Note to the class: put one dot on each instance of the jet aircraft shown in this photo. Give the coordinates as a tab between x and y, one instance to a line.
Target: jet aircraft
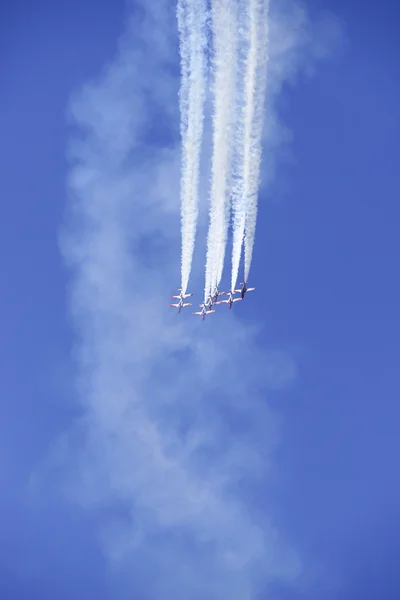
244	290
204	311
230	300
217	293
179	305
208	303
182	296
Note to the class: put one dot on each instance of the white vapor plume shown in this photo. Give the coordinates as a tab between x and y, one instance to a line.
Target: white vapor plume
254	30
256	147
191	16
224	67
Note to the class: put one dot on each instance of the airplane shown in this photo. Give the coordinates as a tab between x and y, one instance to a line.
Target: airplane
243	290
181	304
208	303
230	300
204	311
182	296
217	293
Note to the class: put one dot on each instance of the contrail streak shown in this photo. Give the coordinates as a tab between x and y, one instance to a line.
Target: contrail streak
261	15
191	16
249	132
224	65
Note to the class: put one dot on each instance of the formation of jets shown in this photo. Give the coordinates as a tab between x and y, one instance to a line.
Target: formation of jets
212	300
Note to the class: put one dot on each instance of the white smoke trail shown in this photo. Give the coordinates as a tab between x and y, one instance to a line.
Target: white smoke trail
261	14
248	144
243	140
224	65
191	16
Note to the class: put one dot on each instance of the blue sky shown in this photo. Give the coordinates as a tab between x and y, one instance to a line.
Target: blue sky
147	456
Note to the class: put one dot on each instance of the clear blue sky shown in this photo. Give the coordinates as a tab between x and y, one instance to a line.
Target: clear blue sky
326	271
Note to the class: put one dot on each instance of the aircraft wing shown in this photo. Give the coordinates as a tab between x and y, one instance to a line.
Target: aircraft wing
222	302
251	289
236	299
187	304
177	305
198	313
176	297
